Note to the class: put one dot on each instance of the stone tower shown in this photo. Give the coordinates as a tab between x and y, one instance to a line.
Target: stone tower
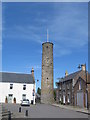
47	73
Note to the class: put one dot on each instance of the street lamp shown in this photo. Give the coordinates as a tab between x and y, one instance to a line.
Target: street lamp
86	82
86	86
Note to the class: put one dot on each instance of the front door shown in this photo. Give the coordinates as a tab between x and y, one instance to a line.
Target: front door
10	97
86	100
80	101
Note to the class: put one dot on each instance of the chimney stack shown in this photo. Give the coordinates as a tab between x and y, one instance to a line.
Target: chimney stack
66	73
32	72
83	67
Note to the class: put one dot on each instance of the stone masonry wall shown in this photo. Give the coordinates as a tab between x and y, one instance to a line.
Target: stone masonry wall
47	73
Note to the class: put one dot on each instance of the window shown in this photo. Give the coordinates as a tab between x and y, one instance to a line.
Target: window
68	86
24	87
60	87
11	86
68	98
64	99
80	85
10	95
60	98
47	59
63	86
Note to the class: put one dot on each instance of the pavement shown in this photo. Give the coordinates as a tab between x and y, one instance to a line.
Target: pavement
0	112
5	112
74	108
43	111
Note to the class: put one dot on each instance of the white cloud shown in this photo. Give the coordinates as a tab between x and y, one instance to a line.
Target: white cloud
72	30
24	33
62	52
35	67
68	29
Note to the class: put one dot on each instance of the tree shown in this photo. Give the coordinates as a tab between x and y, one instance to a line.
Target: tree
39	91
55	94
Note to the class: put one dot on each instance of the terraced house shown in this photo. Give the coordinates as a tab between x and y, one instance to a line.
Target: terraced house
15	87
72	89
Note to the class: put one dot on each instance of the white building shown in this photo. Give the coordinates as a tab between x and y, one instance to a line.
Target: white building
17	86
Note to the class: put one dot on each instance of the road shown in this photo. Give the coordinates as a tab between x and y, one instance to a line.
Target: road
43	111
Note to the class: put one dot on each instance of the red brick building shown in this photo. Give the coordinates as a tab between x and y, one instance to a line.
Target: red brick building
72	89
88	87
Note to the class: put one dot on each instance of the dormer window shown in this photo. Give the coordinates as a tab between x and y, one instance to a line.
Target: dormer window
11	86
24	87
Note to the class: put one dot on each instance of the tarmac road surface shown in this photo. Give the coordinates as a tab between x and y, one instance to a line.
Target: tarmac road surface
43	111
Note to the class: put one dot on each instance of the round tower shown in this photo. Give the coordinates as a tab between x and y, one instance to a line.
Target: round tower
47	96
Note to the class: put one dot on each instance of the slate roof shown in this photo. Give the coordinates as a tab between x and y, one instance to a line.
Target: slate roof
16	78
73	75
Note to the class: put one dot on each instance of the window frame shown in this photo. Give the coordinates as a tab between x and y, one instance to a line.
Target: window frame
80	86
11	86
24	87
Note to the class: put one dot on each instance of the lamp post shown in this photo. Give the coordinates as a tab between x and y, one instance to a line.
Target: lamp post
86	87
86	83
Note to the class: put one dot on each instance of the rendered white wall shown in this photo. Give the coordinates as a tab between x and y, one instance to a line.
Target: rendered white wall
17	91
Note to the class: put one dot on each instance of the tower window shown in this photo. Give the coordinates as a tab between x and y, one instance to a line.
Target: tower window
47	78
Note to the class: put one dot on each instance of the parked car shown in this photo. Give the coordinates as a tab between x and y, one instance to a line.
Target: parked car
25	102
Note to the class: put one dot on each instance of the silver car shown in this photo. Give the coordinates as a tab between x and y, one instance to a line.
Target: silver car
25	102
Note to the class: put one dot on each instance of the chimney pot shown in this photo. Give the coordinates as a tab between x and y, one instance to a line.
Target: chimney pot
66	73
83	67
32	71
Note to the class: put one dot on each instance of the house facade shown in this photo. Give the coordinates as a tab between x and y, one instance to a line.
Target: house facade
72	89
88	88
15	87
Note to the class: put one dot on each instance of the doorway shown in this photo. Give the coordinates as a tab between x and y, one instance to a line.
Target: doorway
10	97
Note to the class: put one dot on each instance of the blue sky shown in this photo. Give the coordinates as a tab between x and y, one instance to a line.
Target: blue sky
25	29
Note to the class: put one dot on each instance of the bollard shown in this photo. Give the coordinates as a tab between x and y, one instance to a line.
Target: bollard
26	113
9	115
19	109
